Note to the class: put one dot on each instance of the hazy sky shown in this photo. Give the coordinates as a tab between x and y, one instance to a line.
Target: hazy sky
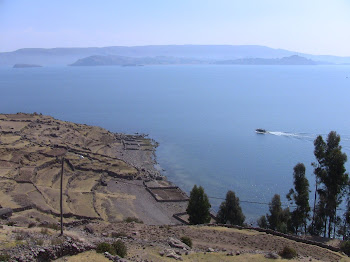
310	26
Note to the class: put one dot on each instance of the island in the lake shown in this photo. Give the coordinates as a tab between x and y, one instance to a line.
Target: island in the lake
25	66
113	60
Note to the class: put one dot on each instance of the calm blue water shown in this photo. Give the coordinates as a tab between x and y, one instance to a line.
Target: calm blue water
203	116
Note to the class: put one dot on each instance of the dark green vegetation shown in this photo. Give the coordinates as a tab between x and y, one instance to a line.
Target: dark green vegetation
288	253
198	207
105	247
279	219
4	257
332	185
133	219
345	247
120	248
187	241
230	210
300	197
116	248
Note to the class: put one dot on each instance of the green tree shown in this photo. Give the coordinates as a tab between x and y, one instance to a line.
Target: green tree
300	197
262	222
331	177
198	207
230	210
279	219
275	208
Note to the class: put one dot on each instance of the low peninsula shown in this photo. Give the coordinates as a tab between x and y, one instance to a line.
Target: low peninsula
25	66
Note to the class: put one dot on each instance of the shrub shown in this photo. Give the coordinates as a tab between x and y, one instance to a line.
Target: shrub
118	234
187	241
44	231
4	257
53	226
120	248
345	247
39	242
57	241
105	247
31	225
288	253
11	223
133	219
20	237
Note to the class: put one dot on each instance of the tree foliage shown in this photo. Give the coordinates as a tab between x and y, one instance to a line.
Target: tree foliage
279	219
262	222
198	207
331	179
230	210
300	197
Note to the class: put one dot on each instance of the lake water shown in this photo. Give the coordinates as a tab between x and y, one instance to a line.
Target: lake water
204	117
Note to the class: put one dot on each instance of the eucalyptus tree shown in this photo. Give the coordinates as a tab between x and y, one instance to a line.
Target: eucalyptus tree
198	208
230	210
331	177
300	197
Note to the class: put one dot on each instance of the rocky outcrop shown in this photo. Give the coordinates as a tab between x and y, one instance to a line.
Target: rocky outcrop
68	248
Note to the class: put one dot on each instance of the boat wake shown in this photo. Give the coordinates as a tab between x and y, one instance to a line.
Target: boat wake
303	136
345	139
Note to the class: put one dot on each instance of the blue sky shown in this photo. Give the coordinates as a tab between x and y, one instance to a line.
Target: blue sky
310	26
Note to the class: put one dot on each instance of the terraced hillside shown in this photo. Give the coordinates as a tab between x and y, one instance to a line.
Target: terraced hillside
103	172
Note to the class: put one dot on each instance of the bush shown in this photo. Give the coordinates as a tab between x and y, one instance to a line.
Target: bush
39	242
11	223
187	241
105	247
44	231
345	247
120	248
118	234
4	257
57	241
20	237
31	225
288	253
133	219
53	226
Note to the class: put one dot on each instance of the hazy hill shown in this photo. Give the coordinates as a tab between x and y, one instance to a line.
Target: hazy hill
64	56
99	60
162	60
290	60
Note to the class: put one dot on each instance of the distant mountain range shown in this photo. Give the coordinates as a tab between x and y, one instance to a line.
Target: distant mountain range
163	60
184	53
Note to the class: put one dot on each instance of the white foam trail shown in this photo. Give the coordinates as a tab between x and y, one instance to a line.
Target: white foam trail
305	136
278	133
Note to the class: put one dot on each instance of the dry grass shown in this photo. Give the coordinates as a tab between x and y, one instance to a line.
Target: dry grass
233	230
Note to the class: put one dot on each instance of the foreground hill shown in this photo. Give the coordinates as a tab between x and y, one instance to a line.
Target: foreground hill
153	243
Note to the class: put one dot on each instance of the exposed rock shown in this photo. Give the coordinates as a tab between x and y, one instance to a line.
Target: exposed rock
89	229
173	242
238	253
210	249
171	253
272	255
